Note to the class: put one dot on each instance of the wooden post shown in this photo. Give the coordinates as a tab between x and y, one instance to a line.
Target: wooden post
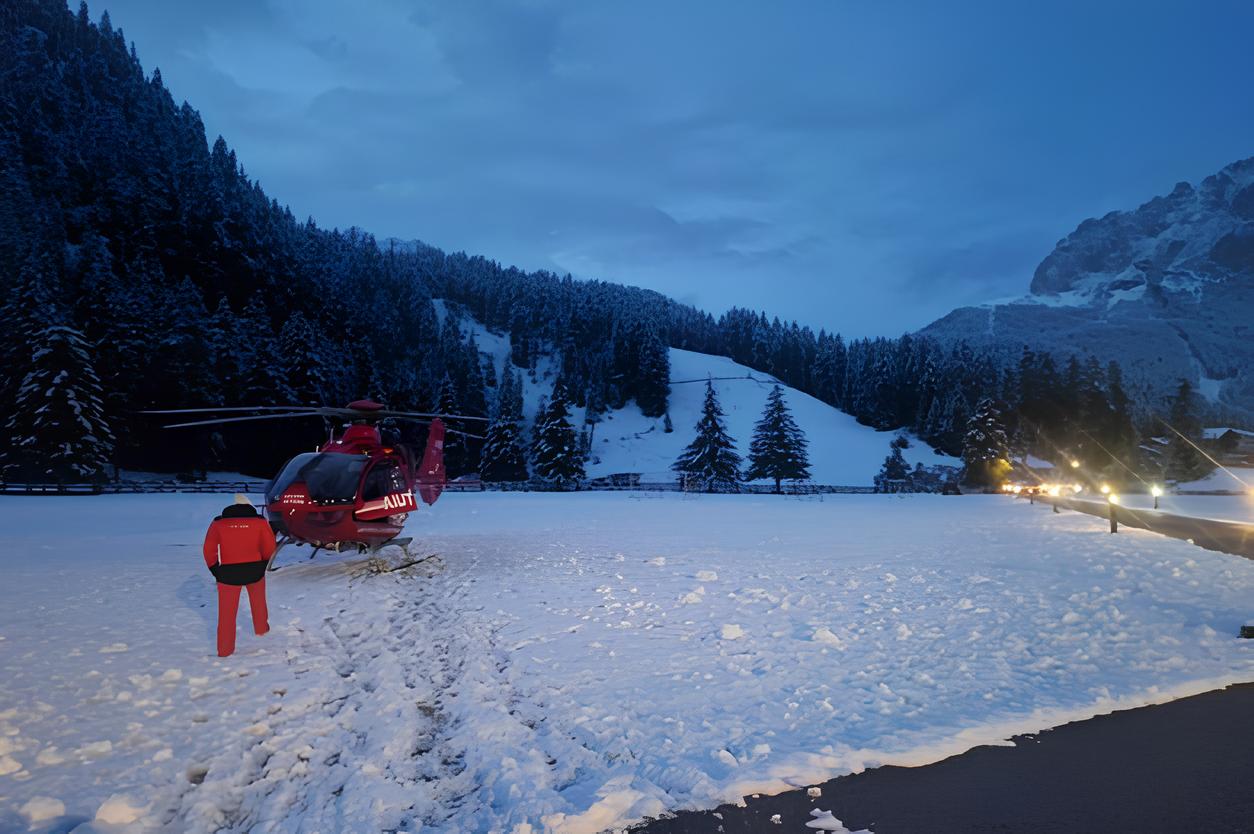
1114	519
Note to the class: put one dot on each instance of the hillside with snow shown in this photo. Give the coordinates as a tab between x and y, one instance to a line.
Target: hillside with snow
1167	290
842	451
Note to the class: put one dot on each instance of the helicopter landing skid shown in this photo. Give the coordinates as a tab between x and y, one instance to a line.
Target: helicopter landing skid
278	546
403	544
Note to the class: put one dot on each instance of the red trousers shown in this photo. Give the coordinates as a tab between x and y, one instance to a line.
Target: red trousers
228	608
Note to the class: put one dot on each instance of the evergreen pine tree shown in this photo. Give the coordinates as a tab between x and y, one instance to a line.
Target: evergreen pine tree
895	472
985	450
710	463
503	458
57	431
300	349
555	451
653	368
1184	461
778	449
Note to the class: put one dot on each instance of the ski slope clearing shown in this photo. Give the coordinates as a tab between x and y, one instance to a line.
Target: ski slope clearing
572	663
842	450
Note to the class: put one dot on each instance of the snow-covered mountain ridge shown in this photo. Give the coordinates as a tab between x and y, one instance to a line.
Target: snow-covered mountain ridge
842	451
1166	289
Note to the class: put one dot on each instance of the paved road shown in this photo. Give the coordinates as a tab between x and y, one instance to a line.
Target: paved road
1178	768
1225	536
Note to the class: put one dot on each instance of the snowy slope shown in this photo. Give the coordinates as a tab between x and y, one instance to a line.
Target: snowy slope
842	451
579	661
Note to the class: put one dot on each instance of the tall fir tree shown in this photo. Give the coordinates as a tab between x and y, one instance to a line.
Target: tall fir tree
985	449
555	452
503	458
1184	461
778	450
653	369
894	474
57	430
710	463
300	350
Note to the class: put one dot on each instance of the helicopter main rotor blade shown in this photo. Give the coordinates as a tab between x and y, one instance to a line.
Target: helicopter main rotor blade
231	408
429	416
324	411
422	422
243	419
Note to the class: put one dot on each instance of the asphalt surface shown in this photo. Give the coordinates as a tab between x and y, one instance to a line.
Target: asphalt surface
1179	768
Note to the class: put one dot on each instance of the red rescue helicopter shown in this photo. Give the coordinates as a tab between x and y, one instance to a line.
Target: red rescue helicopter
355	490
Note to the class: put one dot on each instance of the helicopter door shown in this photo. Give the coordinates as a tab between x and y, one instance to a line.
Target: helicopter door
384	492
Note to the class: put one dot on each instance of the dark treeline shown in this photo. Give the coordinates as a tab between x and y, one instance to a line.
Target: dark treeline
145	259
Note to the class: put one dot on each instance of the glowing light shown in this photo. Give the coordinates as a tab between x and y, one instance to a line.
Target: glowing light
1156	490
1075	464
1105	489
1055	491
1113	498
1078	488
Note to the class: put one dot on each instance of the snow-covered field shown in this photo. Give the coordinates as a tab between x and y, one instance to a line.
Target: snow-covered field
574	662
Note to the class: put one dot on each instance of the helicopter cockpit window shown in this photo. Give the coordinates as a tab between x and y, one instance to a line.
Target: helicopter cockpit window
384	479
327	476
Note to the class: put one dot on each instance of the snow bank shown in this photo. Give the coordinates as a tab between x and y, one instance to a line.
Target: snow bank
1234	479
548	672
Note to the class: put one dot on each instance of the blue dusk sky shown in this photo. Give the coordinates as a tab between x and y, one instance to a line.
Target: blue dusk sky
859	165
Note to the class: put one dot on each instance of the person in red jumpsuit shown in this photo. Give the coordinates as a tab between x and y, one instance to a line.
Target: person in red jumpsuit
238	546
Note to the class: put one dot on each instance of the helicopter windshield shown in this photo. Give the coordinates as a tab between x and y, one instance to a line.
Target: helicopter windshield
329	476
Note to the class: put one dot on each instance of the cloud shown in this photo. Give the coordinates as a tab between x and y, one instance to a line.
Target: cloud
858	166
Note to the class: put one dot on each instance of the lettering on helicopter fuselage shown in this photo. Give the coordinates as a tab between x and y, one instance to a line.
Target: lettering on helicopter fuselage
399	502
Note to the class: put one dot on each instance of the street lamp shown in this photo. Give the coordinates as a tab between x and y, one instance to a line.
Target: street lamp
1113	501
1105	489
1157	492
1075	464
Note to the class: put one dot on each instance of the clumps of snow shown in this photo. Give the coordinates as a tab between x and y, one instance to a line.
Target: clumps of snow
824	821
707	576
48	757
40	808
621	798
8	765
826	636
114	648
814	793
95	749
660	561
731	631
119	809
694	596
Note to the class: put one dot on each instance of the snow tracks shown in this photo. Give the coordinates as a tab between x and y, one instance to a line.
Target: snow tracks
399	716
